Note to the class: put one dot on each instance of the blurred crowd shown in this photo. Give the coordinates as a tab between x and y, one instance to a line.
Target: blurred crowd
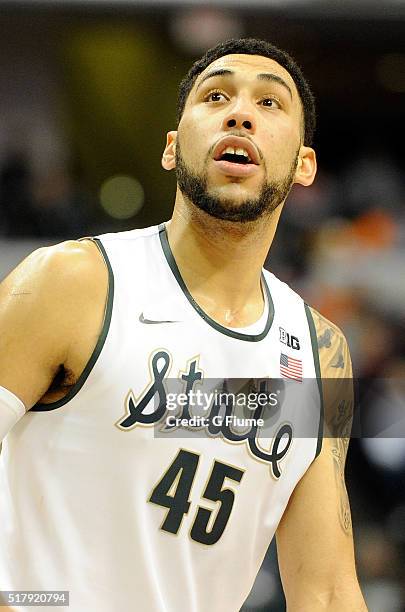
51	205
341	244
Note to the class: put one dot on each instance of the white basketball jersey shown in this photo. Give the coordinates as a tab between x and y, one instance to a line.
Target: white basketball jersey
104	497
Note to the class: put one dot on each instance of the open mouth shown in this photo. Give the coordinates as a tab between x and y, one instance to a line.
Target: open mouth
235	156
236	150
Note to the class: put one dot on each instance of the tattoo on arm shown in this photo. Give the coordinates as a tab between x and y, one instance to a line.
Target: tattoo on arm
339	362
341	435
325	337
338	400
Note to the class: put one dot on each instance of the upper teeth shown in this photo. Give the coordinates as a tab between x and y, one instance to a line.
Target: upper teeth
236	151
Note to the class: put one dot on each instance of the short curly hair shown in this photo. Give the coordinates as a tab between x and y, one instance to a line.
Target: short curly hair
253	46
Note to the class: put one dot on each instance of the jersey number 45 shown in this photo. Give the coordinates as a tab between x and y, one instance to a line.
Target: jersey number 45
173	492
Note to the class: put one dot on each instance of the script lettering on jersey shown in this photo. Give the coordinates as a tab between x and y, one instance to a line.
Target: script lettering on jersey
151	407
136	410
282	439
190	377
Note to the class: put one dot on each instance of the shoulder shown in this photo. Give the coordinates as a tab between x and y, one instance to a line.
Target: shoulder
60	269
334	354
55	284
337	381
71	260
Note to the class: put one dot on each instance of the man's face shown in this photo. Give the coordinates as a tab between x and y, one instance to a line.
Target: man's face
239	139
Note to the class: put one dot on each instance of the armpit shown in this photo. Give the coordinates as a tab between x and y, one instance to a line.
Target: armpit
63	381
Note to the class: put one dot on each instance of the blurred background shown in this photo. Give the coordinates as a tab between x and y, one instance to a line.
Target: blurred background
87	94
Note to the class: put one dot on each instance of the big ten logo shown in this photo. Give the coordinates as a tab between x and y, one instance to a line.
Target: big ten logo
289	340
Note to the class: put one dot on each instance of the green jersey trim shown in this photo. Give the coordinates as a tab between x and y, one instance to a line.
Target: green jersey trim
220	328
99	346
315	351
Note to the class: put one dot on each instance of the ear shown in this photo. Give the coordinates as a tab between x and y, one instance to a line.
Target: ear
169	154
306	167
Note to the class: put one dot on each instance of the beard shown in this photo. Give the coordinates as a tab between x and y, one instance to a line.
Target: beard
195	188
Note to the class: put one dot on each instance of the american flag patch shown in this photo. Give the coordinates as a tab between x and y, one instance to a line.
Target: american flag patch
290	367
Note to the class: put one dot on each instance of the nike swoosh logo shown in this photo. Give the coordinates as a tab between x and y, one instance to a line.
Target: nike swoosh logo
151	322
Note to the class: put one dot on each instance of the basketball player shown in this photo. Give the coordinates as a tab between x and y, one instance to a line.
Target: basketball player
96	498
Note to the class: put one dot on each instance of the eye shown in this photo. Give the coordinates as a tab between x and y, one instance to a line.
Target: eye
215	96
270	102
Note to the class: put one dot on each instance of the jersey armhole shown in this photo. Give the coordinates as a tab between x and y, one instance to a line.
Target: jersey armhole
315	352
100	342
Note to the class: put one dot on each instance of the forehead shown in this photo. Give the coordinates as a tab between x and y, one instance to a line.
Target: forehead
249	66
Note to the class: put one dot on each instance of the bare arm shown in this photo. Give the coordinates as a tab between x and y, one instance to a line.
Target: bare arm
314	538
51	308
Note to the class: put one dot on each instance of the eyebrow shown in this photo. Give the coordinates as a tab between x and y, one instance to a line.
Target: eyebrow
269	76
263	76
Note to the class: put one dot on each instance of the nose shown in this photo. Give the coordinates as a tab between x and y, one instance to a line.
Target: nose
239	118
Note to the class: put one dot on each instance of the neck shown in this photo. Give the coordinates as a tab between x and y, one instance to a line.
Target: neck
221	261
